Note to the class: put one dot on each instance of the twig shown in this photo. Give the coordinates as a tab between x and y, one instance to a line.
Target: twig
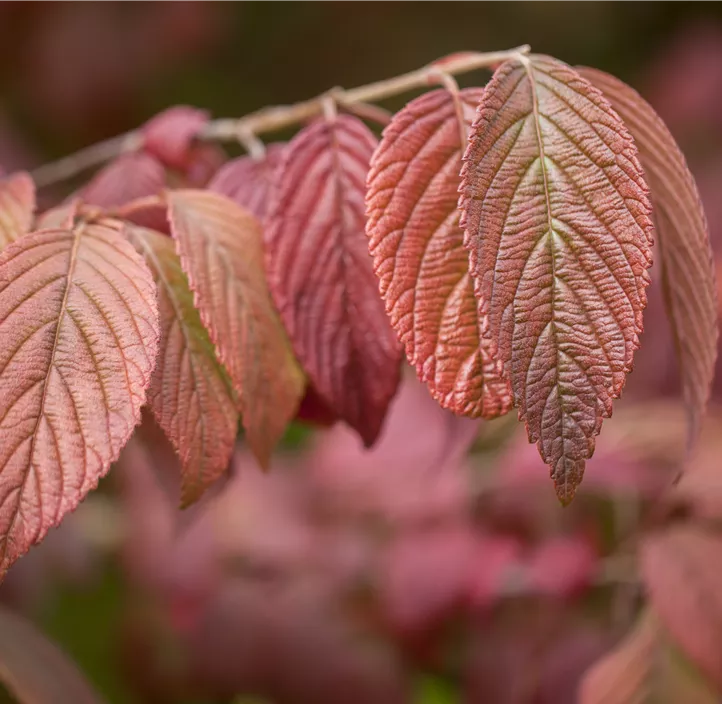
273	118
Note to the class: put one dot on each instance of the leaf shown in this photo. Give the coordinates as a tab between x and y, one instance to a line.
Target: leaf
190	394
688	268
169	136
35	670
61	217
321	276
17	207
220	247
680	568
559	233
247	181
79	325
644	669
419	257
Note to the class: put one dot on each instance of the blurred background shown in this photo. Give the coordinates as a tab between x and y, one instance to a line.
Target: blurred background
437	567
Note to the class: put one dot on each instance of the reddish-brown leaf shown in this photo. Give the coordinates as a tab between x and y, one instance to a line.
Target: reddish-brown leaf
688	268
321	275
169	135
680	567
189	394
130	176
221	250
419	255
644	669
35	670
558	227
17	207
79	325
247	181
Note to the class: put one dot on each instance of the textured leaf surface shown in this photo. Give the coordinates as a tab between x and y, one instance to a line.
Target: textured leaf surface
190	393
559	232
17	207
79	325
419	255
221	250
688	269
35	670
248	181
321	275
644	669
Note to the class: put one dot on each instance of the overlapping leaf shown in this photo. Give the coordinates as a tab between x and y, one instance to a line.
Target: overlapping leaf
321	275
558	227
220	247
79	325
688	269
17	207
419	257
190	394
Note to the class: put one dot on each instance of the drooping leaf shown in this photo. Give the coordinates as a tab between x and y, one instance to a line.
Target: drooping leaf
35	670
644	669
688	268
221	251
169	135
17	207
190	394
321	276
558	227
79	325
419	256
247	181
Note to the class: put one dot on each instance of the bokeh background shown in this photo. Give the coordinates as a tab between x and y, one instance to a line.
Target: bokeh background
436	568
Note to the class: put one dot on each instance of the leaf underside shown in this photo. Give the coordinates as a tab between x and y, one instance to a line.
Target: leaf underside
321	275
17	207
419	255
220	248
557	223
688	268
79	325
190	393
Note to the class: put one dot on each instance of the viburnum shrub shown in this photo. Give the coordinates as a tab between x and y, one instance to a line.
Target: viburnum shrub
501	236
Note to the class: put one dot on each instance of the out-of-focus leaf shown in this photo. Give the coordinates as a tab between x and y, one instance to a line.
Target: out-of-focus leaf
190	393
35	670
17	207
61	217
169	135
79	324
321	277
559	231
221	251
562	566
419	257
688	269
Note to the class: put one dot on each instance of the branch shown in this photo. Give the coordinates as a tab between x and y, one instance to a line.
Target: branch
277	117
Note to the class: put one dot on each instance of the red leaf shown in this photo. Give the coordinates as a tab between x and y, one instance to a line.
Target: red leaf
320	273
190	394
559	232
35	670
562	566
247	181
419	257
220	247
79	321
169	136
130	176
61	217
688	268
17	207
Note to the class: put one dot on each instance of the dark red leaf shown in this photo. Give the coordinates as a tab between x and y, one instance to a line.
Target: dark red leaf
169	136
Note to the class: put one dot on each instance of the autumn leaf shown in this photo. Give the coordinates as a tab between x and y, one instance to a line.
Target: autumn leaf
17	207
321	276
61	217
221	251
35	670
688	268
419	257
190	393
169	136
558	228
644	669
79	324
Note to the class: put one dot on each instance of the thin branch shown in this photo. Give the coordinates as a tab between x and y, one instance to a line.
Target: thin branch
273	118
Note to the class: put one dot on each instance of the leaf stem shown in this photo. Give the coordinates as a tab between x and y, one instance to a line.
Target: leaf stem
270	119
